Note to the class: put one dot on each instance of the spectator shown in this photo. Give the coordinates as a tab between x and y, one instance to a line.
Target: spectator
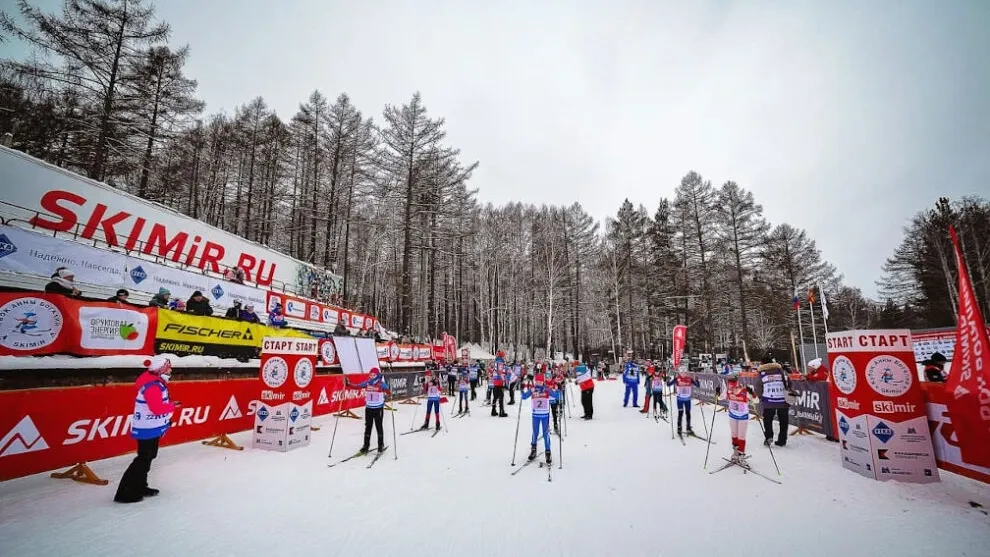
275	317
240	275
235	311
160	300
248	314
120	297
363	333
63	282
198	304
934	368
177	305
816	371
340	330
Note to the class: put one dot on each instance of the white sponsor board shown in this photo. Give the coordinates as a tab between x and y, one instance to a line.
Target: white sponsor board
104	328
271	427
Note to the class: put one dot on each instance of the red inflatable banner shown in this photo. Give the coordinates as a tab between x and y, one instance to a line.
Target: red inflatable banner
46	429
39	323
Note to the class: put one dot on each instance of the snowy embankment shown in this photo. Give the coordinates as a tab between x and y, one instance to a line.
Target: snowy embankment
626	488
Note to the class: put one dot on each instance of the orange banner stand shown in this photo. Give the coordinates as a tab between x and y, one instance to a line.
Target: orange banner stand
82	473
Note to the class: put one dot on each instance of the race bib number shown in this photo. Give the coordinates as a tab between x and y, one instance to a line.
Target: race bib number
684	392
658	384
433	392
774	389
738	408
584	377
375	397
541	404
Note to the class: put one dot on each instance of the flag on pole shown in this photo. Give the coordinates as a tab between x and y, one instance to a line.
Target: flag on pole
824	303
969	408
811	296
796	303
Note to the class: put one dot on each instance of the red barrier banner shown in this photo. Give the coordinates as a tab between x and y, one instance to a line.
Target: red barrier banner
406	353
879	407
46	429
950	451
39	323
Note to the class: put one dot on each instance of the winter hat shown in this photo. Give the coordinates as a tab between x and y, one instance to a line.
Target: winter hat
375	372
767	358
539	379
249	307
935	358
123	292
237	303
815	364
164	292
158	365
66	274
196	293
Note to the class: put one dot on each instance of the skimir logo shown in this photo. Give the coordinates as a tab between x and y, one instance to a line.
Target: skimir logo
844	425
29	324
6	246
883	432
217	292
23	438
138	275
232	411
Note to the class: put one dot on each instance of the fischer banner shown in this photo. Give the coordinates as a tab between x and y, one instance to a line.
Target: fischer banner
185	334
37	323
282	421
46	429
879	407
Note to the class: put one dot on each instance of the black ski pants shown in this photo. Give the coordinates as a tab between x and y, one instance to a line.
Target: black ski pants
586	402
451	385
474	385
782	417
498	398
134	482
658	401
373	416
555	409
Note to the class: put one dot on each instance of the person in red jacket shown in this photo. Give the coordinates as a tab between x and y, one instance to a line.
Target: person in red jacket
587	383
152	414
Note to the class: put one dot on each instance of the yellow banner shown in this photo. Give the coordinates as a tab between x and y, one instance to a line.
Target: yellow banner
177	329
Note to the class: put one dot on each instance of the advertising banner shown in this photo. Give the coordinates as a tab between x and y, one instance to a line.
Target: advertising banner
186	334
405	384
27	252
33	253
328	352
58	200
38	323
282	420
948	446
679	340
879	407
46	429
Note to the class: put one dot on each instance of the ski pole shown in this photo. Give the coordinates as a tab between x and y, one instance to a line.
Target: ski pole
340	407
763	429
670	411
415	411
395	440
707	449
703	421
515	442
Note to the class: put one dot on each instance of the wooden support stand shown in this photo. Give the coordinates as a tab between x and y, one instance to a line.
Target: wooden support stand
223	442
389	408
410	400
80	473
314	427
801	431
347	414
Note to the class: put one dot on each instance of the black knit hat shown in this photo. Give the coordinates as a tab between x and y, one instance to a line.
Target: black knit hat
767	357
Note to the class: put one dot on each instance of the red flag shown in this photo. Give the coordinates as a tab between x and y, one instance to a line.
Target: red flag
680	336
969	380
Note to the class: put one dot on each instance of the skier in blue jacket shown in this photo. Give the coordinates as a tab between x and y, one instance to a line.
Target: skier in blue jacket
630	376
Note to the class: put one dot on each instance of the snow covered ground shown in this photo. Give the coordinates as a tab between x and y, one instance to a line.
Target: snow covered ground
625	489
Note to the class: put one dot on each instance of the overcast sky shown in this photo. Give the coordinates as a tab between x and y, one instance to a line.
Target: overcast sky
843	117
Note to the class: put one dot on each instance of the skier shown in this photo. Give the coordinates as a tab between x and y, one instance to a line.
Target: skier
451	378
555	384
630	376
432	388
514	376
463	384
152	413
684	383
738	396
651	371
541	414
587	383
473	375
772	387
496	380
656	387
375	388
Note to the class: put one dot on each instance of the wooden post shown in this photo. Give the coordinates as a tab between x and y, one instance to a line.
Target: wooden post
224	442
81	473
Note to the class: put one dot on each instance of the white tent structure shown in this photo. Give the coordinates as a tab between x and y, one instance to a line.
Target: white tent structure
475	352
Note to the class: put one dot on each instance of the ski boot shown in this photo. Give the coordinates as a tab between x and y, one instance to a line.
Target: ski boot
438	425
549	460
766	442
532	452
363	451
690	431
426	425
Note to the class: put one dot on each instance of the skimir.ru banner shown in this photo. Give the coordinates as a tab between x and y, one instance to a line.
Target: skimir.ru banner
879	407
